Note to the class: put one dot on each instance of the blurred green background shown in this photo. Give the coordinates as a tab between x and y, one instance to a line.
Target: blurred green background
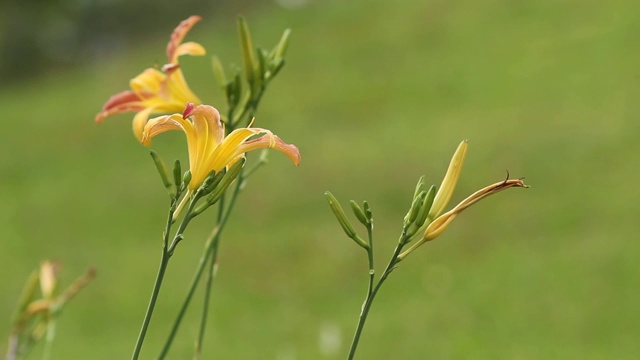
375	94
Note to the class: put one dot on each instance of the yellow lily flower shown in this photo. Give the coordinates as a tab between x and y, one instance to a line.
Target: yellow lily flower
209	148
155	91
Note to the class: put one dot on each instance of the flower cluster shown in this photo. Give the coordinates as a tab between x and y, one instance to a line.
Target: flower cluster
166	91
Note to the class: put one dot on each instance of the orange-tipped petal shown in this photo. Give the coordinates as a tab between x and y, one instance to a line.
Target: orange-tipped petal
206	119
164	123
270	141
178	35
227	150
119	103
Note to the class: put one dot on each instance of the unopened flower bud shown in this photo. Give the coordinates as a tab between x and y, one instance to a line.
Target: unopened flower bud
415	208
357	211
186	178
164	173
342	219
449	182
426	206
48	278
177	173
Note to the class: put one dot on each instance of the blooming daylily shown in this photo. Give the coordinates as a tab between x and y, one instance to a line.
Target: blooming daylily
209	148
155	91
437	223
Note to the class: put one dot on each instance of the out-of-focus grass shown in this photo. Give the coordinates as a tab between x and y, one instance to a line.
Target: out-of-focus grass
375	94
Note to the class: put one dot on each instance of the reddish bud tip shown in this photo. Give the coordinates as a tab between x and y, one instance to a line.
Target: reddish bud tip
188	110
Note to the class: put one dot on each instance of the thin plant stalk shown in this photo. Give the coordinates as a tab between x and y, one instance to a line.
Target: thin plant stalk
373	291
167	251
210	253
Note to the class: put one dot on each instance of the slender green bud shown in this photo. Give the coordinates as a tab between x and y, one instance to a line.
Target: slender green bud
186	178
281	48
226	178
248	55
177	173
342	219
419	187
210	183
357	211
262	64
426	206
412	214
275	69
218	72
367	211
234	87
164	173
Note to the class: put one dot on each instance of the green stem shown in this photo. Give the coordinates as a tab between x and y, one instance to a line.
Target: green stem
51	329
209	253
152	302
371	293
222	220
167	252
206	254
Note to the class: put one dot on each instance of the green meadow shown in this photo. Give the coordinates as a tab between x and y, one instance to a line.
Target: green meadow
374	94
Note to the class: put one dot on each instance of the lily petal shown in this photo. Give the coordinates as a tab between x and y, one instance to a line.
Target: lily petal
271	141
190	48
161	124
119	103
139	122
147	81
208	119
229	149
166	123
178	35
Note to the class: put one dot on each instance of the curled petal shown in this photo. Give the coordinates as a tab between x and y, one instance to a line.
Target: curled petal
270	141
165	123
206	119
119	103
190	48
178	35
139	122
